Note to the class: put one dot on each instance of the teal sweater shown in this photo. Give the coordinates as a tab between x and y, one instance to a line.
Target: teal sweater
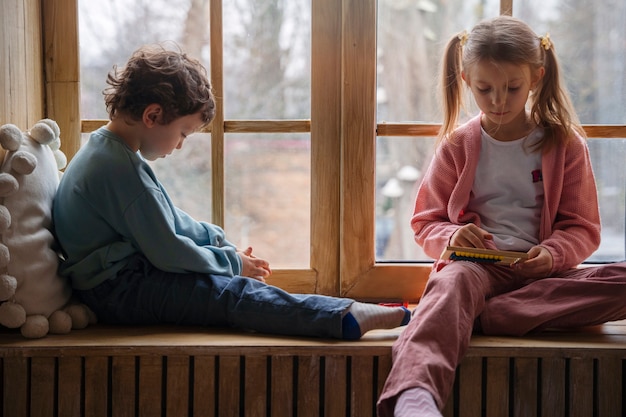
110	206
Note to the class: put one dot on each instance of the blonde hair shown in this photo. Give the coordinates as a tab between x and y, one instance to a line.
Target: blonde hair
507	39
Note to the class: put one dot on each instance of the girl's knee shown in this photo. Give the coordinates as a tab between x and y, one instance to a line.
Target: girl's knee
459	276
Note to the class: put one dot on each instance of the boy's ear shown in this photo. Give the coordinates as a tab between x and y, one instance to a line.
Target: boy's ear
152	114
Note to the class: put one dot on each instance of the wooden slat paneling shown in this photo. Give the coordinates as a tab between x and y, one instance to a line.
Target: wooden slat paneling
335	385
42	371
255	385
97	380
335	380
204	386
283	391
361	386
123	386
150	384
384	366
177	385
610	382
70	384
470	387
308	403
167	371
228	385
525	387
497	387
15	384
553	386
581	387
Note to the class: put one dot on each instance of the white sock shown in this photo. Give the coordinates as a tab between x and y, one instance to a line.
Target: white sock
373	316
416	402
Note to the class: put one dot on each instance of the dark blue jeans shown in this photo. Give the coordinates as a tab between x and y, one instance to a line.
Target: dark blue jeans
143	295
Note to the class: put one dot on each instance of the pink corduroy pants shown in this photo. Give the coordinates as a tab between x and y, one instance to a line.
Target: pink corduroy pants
429	349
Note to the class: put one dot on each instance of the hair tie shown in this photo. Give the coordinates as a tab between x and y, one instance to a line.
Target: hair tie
546	43
463	37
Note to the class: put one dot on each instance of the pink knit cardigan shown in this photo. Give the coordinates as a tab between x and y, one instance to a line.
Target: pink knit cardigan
570	219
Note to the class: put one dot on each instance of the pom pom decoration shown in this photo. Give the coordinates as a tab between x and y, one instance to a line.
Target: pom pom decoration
33	297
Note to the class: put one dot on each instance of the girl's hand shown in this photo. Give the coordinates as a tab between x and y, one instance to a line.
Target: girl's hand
538	264
470	236
254	267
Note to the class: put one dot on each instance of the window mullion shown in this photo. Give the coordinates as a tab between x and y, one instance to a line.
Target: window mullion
217	126
358	141
325	143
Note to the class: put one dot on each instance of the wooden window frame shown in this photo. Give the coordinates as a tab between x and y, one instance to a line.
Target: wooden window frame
343	131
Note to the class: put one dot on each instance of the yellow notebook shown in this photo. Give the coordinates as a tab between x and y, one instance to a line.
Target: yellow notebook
483	255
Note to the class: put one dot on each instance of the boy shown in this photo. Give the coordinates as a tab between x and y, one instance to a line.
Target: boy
135	258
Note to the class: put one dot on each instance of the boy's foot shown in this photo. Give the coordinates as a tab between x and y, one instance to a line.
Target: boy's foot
363	317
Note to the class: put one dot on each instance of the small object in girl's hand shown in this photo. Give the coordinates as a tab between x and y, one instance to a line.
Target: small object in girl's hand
499	257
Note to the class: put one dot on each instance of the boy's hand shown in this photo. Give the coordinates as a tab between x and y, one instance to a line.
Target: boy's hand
254	267
471	236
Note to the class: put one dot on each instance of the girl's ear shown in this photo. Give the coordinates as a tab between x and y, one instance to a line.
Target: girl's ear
465	78
536	77
152	114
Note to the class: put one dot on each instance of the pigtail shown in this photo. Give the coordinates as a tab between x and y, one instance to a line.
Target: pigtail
552	107
451	84
507	39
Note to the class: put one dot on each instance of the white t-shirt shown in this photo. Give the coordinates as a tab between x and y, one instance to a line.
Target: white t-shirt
508	191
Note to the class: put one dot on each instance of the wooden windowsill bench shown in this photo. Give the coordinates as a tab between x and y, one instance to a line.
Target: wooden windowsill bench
183	371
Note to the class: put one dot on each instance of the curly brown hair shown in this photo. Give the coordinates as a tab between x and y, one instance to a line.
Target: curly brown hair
156	75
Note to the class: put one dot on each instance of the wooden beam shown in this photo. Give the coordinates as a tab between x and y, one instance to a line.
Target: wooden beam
217	126
325	143
62	69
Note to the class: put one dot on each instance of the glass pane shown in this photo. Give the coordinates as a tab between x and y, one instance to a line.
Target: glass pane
397	184
268	196
400	163
594	35
110	30
589	39
186	175
411	36
607	158
267	59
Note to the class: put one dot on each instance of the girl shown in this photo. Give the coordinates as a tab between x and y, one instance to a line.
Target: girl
515	177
